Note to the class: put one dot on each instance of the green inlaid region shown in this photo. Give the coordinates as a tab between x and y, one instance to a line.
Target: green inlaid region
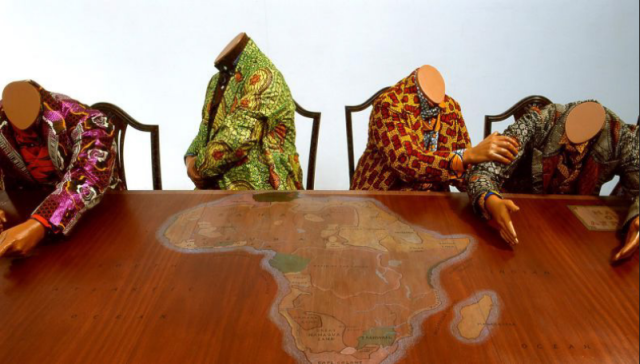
379	336
276	197
289	263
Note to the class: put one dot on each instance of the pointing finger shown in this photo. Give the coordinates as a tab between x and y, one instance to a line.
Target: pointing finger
512	231
628	250
505	237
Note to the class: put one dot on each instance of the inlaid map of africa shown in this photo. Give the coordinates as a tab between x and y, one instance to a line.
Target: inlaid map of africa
355	280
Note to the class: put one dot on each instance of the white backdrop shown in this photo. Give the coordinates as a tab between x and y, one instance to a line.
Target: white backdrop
154	59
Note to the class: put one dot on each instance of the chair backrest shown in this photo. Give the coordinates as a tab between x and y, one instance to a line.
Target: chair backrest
311	171
517	111
349	110
122	120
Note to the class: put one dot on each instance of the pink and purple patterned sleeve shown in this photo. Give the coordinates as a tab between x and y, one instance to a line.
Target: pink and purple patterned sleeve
89	171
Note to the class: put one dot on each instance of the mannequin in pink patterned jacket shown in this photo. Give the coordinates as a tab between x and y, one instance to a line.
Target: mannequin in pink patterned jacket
51	142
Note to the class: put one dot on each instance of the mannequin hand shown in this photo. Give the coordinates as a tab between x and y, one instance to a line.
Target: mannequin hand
193	174
21	239
500	211
495	148
3	220
631	243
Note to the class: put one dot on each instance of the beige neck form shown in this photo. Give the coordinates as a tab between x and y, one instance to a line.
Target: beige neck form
584	122
432	84
22	103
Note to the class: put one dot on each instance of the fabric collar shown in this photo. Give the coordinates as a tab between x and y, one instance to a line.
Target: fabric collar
555	146
229	62
573	148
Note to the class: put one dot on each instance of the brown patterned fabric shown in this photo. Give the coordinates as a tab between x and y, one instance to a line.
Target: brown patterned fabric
547	164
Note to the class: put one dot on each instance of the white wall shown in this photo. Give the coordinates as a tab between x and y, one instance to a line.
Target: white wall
154	59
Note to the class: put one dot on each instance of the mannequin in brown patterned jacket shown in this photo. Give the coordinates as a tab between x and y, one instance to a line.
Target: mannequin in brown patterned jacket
573	149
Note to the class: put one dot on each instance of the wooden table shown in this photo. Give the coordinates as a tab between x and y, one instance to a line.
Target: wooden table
113	293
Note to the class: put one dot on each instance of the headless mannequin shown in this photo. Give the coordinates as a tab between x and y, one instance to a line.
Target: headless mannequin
583	123
22	104
431	84
494	148
226	57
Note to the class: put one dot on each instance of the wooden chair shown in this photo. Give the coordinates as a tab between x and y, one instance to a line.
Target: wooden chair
122	120
311	171
517	111
349	114
617	191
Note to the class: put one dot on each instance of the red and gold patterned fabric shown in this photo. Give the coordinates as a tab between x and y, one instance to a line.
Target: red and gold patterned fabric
409	151
35	153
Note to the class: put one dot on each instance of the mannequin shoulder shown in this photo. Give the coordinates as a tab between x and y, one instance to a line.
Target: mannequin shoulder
451	104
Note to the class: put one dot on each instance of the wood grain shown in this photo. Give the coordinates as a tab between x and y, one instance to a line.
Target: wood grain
111	293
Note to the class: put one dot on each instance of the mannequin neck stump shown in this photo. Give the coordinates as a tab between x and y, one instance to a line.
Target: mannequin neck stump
431	84
232	50
22	103
584	122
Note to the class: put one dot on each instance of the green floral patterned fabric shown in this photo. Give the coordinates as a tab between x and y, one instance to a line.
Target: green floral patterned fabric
252	140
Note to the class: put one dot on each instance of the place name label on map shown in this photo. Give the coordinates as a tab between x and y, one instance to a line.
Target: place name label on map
308	321
556	346
300	280
325	334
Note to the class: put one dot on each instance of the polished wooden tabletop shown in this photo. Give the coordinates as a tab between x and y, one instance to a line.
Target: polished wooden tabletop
115	292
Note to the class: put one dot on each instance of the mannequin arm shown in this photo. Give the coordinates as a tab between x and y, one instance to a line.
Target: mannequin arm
200	140
489	177
463	142
88	177
246	125
629	168
406	156
21	239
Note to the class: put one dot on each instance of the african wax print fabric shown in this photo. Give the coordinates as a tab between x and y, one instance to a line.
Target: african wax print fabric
249	143
81	147
546	164
413	145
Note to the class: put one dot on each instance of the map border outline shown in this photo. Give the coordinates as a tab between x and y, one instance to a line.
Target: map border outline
494	315
289	344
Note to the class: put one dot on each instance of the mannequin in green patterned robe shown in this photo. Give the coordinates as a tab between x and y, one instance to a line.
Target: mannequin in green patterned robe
250	142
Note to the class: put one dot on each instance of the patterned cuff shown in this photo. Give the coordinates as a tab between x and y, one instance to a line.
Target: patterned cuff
51	230
482	202
457	163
